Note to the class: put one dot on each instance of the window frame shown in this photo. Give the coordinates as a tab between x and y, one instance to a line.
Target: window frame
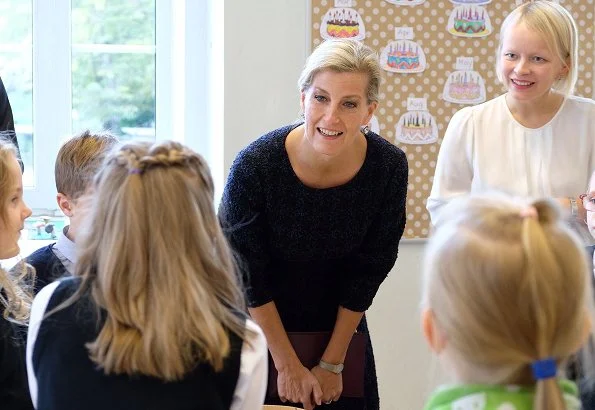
183	42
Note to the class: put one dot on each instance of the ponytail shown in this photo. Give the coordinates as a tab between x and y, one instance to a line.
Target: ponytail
509	286
541	262
548	395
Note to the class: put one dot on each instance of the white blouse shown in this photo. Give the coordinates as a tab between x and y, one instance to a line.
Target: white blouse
485	148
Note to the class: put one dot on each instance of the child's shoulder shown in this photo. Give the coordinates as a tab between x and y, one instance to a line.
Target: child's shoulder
582	105
494	397
41	253
43	259
47	265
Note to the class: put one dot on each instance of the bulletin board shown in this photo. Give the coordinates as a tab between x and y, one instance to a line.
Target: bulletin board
438	56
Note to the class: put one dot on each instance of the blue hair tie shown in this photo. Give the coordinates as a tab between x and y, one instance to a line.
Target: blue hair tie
544	368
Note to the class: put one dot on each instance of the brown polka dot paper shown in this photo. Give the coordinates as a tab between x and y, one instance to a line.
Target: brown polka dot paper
440	51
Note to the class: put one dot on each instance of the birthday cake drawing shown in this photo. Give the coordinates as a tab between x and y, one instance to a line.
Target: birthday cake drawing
405	2
403	56
469	21
464	87
342	23
417	127
476	2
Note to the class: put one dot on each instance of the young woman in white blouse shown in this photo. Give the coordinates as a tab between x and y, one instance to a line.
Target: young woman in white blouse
537	140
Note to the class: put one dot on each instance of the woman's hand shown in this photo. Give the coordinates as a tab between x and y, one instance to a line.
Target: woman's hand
296	384
331	384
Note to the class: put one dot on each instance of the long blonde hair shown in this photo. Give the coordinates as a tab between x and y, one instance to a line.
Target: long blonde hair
154	258
15	297
508	286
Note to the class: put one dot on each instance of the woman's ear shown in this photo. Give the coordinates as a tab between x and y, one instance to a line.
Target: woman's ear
433	335
371	109
566	69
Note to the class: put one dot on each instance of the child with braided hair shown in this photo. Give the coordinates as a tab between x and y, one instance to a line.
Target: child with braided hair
505	305
153	317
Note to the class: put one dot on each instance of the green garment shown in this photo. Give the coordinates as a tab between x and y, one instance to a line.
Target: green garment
490	397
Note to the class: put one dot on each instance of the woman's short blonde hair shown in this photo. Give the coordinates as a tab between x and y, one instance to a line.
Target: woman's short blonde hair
557	28
153	256
508	285
343	56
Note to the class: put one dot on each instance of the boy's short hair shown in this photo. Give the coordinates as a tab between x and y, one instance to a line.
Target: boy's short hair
79	159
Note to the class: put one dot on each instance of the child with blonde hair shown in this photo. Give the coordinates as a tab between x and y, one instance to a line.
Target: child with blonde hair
506	296
153	317
15	301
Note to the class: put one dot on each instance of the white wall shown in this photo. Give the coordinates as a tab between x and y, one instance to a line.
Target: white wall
265	49
407	372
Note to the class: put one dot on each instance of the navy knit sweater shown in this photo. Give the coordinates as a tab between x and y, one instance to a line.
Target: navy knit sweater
313	250
14	394
67	379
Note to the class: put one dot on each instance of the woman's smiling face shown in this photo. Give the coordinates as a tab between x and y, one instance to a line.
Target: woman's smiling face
335	108
528	66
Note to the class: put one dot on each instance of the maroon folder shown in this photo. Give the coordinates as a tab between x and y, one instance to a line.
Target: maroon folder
309	347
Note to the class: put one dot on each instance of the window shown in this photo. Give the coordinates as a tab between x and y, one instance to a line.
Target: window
135	67
113	66
16	69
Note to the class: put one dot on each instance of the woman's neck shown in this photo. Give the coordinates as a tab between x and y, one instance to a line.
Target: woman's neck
323	171
535	114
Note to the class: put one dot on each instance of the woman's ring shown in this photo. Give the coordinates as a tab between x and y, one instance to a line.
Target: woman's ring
328	402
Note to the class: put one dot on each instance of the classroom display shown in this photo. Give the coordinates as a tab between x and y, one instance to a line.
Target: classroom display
437	56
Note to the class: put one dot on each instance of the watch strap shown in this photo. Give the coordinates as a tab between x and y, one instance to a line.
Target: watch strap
573	206
334	368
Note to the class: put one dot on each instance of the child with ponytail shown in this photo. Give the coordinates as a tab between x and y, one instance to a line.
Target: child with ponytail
505	305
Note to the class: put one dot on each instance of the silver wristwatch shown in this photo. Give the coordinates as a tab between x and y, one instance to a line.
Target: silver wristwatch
335	368
573	206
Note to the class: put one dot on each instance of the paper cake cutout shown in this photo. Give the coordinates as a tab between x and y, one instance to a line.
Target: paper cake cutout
403	56
476	2
342	23
405	2
464	87
417	127
469	21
